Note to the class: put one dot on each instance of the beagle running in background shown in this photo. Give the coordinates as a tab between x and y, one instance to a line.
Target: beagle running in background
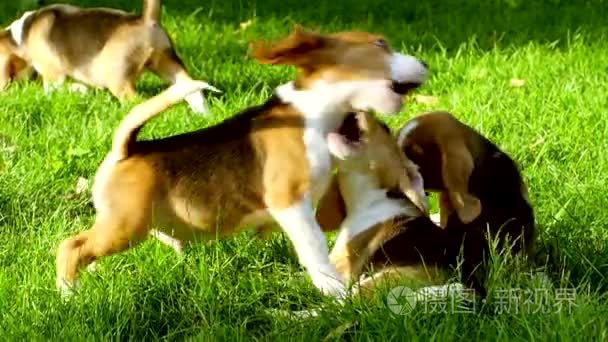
100	47
269	162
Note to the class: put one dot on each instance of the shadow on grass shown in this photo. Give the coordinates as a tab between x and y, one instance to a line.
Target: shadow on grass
432	24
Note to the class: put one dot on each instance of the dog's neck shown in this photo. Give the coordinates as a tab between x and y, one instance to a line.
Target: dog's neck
367	205
324	105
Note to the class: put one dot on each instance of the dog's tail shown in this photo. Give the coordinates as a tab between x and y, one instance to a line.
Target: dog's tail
151	10
129	127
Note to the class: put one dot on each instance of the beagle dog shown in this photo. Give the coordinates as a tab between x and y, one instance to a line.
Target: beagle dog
100	47
480	187
12	65
269	162
388	234
378	204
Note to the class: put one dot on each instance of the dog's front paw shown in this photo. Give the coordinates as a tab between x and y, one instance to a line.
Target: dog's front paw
78	88
66	289
331	286
92	267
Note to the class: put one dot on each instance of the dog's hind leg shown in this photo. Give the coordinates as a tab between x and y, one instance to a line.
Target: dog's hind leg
109	235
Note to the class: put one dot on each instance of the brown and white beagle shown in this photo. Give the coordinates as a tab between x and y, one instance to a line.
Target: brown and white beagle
480	187
389	233
378	204
100	47
269	162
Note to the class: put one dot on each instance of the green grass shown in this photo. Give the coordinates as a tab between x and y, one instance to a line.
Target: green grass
556	127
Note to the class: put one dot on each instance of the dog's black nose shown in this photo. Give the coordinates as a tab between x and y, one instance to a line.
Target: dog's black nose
403	88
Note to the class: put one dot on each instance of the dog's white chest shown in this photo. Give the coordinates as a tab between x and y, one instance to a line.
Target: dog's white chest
319	160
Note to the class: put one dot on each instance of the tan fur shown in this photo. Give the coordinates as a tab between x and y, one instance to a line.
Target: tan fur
354	55
12	65
100	47
390	277
208	183
459	149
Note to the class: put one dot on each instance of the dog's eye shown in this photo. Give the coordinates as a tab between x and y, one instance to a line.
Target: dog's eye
381	43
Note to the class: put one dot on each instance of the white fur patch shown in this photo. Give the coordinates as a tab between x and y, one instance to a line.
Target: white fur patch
339	147
298	222
67	290
92	267
324	106
184	88
366	205
405	131
407	69
436	218
373	211
168	240
79	88
322	114
16	27
50	87
325	98
196	101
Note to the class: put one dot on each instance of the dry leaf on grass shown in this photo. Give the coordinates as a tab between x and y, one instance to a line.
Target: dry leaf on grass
244	25
538	141
517	83
426	99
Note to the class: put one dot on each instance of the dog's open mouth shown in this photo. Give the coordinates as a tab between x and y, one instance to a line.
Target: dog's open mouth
347	139
350	130
402	88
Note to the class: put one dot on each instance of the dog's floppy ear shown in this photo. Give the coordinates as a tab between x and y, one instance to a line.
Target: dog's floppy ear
292	50
331	210
412	185
5	72
457	166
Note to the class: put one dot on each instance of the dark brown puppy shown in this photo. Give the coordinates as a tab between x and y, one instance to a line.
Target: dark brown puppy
481	188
